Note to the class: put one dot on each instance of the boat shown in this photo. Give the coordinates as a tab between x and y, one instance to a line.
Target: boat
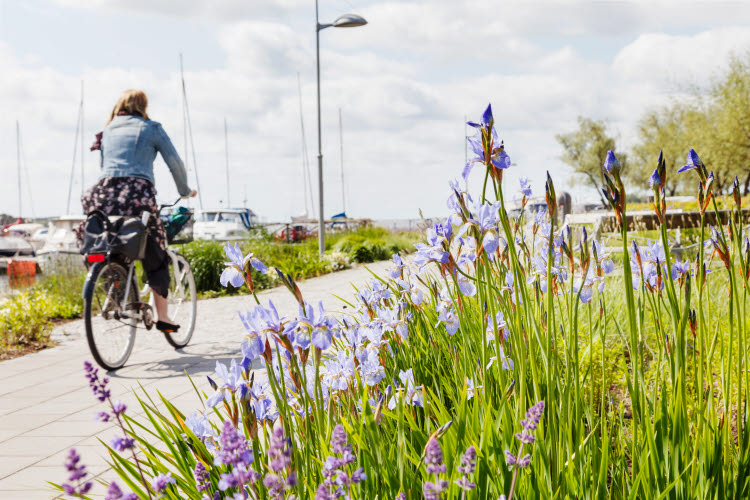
14	246
223	224
29	231
61	246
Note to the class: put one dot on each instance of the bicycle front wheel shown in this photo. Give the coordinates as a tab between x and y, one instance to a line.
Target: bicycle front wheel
182	303
109	333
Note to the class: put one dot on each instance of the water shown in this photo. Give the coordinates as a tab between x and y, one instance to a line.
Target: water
9	287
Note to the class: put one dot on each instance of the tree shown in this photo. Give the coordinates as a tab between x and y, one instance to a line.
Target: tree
668	129
730	148
586	149
716	123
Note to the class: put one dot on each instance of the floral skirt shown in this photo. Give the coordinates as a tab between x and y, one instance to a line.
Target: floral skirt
132	196
126	196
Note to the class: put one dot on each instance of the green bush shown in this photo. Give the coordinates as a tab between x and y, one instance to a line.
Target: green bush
300	260
25	318
373	243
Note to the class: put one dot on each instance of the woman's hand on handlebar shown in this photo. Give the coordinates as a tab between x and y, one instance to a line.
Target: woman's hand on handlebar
192	194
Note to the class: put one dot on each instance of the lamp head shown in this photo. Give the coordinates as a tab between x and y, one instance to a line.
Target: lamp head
349	21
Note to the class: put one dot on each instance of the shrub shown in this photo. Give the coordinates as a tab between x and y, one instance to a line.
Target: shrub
24	319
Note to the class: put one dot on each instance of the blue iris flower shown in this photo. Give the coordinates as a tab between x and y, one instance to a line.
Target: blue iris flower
232	378
692	161
612	163
235	270
654	180
525	186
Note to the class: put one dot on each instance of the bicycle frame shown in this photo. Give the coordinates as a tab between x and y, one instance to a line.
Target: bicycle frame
179	275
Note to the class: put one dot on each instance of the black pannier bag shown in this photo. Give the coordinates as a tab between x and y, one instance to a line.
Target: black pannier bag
124	236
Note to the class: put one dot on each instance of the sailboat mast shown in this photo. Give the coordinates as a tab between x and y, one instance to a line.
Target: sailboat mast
306	176
190	133
341	144
25	171
466	143
18	158
226	153
79	120
83	171
184	116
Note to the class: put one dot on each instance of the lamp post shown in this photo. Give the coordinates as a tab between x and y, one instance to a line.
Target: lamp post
345	21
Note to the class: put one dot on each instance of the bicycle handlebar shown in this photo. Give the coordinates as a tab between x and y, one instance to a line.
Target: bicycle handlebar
167	205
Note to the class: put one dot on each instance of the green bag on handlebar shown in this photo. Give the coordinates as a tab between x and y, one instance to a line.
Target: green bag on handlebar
176	221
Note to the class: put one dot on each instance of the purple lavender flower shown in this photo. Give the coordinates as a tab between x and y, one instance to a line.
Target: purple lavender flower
98	386
160	482
202	477
526	436
240	475
235	451
466	468
118	407
337	480
435	466
121	444
234	273
434	457
115	493
76	485
234	448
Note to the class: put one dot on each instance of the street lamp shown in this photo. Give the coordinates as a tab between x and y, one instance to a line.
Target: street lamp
345	21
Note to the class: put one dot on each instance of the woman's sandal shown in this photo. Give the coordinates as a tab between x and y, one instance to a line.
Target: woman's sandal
165	327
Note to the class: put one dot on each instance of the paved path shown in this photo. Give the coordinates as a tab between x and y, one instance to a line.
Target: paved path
46	406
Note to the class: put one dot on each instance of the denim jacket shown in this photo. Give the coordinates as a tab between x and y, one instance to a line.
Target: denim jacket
129	145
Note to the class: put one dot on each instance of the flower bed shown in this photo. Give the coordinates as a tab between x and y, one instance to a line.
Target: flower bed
511	359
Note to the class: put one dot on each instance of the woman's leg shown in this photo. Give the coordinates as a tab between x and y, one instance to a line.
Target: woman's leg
162	308
156	266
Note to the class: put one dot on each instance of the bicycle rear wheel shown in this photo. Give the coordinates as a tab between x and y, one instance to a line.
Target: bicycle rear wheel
182	303
110	335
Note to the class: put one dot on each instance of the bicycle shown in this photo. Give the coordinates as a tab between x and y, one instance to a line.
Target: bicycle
113	309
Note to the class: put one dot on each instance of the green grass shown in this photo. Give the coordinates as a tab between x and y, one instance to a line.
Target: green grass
26	318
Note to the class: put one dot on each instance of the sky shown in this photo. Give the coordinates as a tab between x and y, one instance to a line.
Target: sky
405	84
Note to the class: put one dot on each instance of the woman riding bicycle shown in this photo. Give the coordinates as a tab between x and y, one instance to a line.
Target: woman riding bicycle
128	146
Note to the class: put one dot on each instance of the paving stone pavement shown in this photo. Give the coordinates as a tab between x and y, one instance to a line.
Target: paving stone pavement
46	406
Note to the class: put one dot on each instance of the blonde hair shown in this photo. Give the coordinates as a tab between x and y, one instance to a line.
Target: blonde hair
131	102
